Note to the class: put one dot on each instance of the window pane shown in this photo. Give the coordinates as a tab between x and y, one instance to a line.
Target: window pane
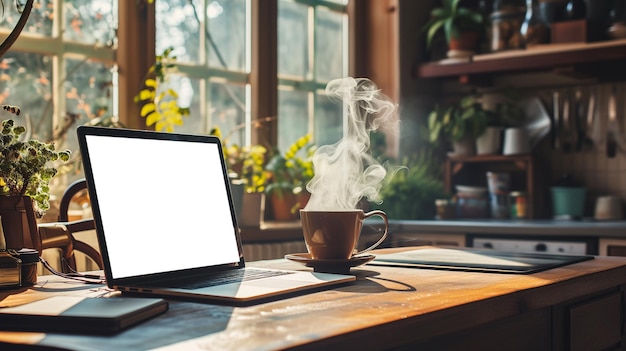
90	22
293	121
292	39
188	97
328	121
26	81
329	46
39	21
227	27
178	27
88	94
228	110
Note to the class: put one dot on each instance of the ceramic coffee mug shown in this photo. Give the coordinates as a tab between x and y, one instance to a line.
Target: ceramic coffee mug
335	234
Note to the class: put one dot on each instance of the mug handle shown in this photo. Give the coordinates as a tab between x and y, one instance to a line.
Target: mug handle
382	215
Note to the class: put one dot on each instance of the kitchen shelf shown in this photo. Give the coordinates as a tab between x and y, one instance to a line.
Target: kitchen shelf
603	59
513	163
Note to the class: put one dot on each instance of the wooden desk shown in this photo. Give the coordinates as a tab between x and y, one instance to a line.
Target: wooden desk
573	307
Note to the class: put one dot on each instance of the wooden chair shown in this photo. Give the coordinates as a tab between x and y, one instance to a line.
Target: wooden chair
60	234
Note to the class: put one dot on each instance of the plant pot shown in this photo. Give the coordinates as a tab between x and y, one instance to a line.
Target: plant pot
252	210
18	223
489	142
464	147
237	190
464	45
286	205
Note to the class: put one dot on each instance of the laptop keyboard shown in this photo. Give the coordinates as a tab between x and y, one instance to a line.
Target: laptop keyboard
227	277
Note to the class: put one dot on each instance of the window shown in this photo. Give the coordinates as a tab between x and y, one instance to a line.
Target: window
213	50
212	45
312	50
61	71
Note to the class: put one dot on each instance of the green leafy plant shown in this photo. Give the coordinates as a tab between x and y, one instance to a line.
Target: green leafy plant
507	111
160	106
460	119
26	166
289	173
410	193
453	19
246	164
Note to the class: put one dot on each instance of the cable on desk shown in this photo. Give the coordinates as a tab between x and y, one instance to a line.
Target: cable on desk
86	278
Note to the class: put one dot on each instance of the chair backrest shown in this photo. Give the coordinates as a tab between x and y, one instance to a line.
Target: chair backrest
60	234
78	187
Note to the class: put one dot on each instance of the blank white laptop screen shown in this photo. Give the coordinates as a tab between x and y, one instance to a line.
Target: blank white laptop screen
165	197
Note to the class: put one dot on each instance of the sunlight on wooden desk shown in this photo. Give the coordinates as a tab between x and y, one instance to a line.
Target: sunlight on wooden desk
577	306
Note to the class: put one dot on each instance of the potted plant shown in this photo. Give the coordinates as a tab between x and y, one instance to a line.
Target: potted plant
506	112
248	178
460	122
26	168
288	177
462	27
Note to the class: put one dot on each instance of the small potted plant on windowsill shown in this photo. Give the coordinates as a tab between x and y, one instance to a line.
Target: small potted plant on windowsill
288	177
248	178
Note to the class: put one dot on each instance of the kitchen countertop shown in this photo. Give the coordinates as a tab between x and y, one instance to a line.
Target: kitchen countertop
513	227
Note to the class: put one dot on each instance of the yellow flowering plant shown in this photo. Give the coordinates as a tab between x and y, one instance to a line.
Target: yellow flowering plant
245	163
292	171
160	106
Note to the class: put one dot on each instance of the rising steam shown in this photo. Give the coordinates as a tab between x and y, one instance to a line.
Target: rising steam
345	172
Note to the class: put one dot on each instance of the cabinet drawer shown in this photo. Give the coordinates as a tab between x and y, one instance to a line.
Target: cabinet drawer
596	324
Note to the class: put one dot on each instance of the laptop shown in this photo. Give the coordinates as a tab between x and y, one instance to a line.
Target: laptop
166	223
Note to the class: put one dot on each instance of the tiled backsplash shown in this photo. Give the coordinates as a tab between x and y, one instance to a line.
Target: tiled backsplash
600	174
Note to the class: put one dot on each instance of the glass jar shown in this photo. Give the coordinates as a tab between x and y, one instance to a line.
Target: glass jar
506	20
518	204
533	30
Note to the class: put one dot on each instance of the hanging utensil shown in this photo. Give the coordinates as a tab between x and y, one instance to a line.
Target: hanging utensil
566	144
611	142
597	134
579	121
556	119
587	143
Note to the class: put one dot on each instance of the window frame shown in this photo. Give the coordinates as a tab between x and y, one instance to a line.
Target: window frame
135	50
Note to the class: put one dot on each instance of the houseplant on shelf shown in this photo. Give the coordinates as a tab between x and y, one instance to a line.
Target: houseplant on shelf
461	26
288	177
459	122
504	112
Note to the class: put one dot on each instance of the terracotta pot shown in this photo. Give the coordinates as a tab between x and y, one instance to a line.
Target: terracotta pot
287	206
463	45
18	222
